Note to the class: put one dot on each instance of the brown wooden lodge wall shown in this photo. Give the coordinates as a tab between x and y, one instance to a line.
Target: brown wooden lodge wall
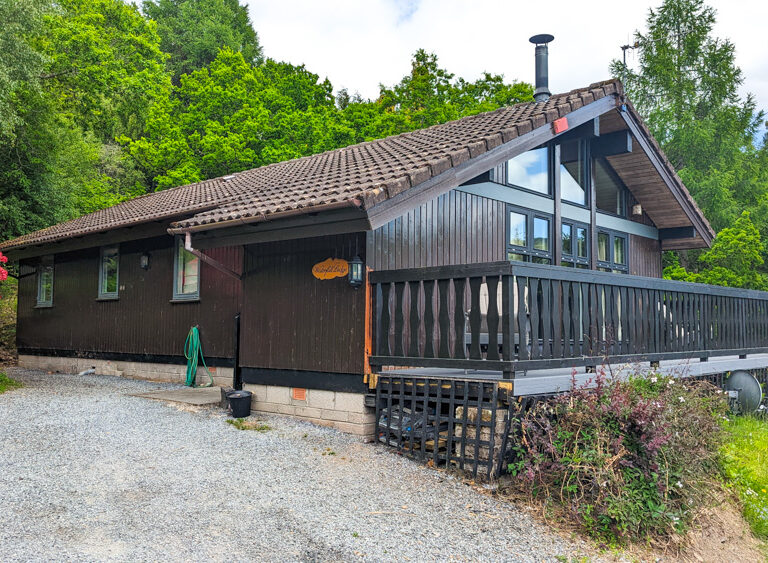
293	321
143	321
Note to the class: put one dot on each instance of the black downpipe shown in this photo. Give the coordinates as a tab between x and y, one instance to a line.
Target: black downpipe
237	375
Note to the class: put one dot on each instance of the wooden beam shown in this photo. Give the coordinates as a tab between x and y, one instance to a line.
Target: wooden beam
677	233
302	226
612	144
141	231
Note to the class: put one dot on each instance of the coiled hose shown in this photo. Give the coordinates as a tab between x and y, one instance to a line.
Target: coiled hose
192	351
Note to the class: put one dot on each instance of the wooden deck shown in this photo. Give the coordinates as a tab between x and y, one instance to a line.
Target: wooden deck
555	380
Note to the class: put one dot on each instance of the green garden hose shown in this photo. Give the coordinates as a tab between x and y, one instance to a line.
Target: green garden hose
192	351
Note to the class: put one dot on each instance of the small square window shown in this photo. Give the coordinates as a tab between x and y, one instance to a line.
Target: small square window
108	273
186	267
45	282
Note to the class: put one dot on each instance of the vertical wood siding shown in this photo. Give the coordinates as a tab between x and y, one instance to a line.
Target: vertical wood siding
455	228
291	320
143	320
644	257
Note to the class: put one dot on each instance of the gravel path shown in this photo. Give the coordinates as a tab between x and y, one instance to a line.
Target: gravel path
88	472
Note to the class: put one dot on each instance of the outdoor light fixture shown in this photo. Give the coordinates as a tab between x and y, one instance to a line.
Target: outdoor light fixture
144	261
355	272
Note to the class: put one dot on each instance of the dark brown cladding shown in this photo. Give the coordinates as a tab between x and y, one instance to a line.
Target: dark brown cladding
456	228
293	321
644	257
143	321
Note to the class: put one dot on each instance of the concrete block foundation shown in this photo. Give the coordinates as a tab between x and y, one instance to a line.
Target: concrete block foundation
344	411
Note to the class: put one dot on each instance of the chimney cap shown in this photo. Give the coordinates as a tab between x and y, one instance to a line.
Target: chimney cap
541	38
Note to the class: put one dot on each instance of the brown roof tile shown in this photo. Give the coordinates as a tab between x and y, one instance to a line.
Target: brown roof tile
369	172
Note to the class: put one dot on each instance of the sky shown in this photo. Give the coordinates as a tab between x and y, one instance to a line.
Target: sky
358	44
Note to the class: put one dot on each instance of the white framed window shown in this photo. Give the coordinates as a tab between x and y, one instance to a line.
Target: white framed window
109	272
186	273
45	282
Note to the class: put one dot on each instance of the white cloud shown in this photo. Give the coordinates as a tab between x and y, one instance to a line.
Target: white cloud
358	44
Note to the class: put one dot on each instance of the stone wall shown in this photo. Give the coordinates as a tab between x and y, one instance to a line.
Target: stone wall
343	411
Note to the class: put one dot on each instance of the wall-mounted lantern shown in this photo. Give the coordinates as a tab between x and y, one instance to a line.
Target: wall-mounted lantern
355	275
144	261
637	210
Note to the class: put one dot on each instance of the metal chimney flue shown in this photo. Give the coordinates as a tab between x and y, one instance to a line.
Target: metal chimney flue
542	93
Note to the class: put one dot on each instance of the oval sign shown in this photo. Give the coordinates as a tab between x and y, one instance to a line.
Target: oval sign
330	268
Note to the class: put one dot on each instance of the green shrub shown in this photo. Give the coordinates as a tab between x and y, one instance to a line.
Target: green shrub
627	459
745	465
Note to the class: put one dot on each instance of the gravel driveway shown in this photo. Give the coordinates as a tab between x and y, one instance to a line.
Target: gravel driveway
88	472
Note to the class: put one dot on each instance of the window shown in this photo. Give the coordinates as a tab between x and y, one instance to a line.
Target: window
186	267
610	194
575	245
45	282
530	170
573	172
523	247
108	273
612	252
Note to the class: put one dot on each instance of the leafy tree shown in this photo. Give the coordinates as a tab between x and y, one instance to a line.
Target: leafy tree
686	88
734	259
105	67
193	31
234	116
20	63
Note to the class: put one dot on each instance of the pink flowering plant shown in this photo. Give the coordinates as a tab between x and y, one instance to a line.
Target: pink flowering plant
627	459
3	271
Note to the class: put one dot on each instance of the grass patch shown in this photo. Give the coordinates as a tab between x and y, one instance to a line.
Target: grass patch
7	383
745	464
244	424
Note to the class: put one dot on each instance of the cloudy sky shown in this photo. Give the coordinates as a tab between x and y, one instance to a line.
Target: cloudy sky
359	43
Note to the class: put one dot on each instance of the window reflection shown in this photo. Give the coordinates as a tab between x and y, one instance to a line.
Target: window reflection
609	191
518	232
540	233
530	170
572	173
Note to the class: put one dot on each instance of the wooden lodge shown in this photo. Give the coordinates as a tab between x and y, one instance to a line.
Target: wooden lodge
512	246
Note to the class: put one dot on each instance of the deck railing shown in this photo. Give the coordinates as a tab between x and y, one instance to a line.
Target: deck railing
506	317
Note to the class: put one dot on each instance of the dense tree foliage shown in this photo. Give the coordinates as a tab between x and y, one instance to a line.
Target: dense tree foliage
686	87
193	31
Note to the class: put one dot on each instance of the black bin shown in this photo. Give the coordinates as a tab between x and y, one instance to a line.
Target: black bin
240	403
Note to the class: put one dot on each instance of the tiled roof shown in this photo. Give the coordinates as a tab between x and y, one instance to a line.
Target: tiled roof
369	172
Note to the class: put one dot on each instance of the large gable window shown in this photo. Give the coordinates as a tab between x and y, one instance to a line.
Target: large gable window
186	268
610	194
45	282
573	172
530	170
529	237
108	273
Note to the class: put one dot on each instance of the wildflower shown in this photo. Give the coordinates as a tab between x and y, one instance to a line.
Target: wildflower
681	399
654	379
679	484
671	382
